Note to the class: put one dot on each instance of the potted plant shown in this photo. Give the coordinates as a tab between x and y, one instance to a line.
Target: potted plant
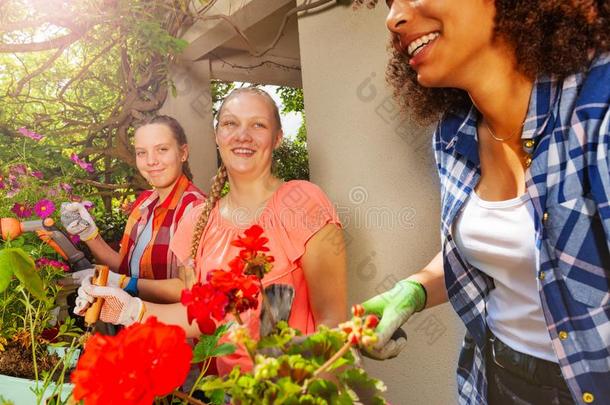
35	348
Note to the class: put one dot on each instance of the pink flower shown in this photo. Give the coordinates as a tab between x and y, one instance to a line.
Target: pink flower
43	261
21	210
30	134
88	204
18	169
66	187
2	185
74	238
38	174
44	208
88	167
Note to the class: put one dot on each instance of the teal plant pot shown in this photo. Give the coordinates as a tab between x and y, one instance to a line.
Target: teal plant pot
21	390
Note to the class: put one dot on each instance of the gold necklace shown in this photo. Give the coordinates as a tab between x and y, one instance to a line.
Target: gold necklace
493	135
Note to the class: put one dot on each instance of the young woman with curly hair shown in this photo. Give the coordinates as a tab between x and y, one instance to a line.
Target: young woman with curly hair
522	91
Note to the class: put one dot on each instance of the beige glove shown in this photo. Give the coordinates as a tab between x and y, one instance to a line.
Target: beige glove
77	221
77	278
119	308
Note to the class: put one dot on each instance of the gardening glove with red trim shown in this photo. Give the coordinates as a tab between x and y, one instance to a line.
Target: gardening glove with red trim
77	278
394	307
77	220
119	308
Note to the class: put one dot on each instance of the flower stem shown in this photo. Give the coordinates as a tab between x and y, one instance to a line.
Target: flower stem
188	398
238	318
331	361
205	367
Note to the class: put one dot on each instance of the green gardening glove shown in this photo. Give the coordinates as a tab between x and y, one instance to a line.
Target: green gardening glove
394	307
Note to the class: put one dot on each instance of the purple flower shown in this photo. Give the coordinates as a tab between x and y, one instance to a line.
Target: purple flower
88	167
43	261
66	187
30	134
21	210
88	204
2	185
38	174
18	169
44	208
74	238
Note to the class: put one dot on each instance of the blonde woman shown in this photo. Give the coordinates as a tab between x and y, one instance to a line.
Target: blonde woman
304	232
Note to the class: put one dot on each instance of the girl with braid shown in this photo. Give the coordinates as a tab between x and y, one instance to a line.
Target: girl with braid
304	232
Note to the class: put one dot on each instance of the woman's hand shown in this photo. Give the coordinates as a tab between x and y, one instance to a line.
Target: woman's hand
394	307
77	221
118	308
77	278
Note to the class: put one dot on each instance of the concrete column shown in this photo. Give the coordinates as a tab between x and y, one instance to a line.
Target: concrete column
191	105
378	168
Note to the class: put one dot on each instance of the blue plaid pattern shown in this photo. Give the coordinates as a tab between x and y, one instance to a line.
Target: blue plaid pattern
569	185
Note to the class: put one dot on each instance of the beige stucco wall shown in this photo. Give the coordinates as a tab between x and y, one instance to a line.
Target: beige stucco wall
379	171
191	105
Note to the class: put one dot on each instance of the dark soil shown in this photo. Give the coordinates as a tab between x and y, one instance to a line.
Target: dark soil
17	361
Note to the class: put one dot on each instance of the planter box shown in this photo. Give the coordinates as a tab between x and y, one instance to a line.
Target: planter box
21	390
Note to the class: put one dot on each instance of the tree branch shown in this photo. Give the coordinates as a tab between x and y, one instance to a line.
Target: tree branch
99	184
41	69
86	68
60	42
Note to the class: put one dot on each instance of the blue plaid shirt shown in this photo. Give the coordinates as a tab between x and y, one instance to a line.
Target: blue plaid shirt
569	185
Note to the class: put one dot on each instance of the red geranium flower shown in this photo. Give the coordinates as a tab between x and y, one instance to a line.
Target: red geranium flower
202	303
241	290
252	242
143	361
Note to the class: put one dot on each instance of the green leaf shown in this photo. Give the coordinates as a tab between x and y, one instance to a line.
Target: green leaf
204	348
19	263
323	389
217	397
367	389
6	274
222	329
214	384
223	350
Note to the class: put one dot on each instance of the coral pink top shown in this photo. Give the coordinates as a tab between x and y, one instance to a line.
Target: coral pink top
294	213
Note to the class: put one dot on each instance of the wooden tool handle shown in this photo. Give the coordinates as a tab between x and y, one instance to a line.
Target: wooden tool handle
99	278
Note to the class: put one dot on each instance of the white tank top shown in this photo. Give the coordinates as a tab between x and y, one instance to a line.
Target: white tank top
498	238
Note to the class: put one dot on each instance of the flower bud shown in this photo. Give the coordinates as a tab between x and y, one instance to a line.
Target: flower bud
371	321
358	310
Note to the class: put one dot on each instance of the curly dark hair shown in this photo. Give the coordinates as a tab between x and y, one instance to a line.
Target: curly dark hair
549	37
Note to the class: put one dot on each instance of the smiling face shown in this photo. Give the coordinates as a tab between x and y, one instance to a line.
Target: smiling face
448	42
159	157
247	133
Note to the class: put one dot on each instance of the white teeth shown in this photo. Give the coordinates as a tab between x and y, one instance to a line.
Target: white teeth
244	151
417	45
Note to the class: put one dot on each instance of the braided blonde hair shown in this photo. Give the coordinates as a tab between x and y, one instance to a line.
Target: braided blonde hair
218	184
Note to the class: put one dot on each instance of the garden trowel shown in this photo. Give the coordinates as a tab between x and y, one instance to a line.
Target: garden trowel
276	307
